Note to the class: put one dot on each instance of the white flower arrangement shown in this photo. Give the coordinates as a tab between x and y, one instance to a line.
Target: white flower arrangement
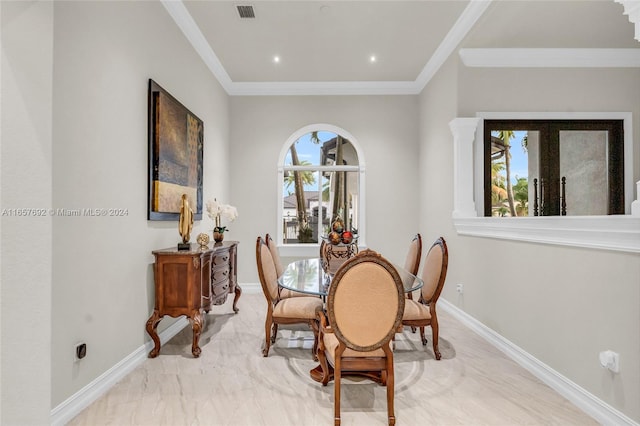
217	210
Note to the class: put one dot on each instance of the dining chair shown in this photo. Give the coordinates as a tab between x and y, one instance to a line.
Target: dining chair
275	255
292	310
364	308
422	313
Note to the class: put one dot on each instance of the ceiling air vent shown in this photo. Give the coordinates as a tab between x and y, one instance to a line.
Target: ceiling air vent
246	12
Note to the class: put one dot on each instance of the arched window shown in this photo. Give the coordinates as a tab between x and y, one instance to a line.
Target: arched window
320	177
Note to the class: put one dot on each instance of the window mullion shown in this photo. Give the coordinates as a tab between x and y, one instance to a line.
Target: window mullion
319	189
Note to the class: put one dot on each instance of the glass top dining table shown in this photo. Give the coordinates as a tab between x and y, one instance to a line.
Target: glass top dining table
308	276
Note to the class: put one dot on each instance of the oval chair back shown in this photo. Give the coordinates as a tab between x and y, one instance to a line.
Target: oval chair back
275	254
434	271
266	271
365	302
412	261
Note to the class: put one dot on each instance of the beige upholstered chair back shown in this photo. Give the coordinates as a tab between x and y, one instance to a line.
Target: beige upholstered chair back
365	302
266	271
412	261
275	254
434	271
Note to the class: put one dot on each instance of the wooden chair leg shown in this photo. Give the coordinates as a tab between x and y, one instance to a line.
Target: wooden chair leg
434	333
336	393
390	392
422	338
267	332
322	359
314	350
410	297
383	378
274	333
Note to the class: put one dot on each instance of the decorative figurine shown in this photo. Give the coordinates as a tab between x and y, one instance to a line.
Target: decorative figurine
203	240
185	224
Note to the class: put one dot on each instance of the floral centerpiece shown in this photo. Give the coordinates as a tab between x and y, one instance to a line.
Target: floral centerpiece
216	211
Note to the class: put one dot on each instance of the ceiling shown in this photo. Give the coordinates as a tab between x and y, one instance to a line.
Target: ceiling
327	47
325	41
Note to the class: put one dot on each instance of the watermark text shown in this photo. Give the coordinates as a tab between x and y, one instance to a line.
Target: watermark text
63	212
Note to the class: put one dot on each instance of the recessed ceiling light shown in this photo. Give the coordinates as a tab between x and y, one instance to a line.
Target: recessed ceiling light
372	58
276	59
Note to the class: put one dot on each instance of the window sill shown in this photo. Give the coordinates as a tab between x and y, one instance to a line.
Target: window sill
617	233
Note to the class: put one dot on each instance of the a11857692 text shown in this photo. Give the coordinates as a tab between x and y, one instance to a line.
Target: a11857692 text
64	212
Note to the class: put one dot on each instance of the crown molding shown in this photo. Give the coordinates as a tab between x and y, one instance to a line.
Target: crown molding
332	88
632	10
190	29
458	31
188	26
550	58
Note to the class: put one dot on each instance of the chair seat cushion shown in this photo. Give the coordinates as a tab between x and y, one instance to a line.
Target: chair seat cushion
331	344
298	307
415	311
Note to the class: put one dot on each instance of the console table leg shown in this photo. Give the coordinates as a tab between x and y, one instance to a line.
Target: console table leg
197	322
236	297
152	324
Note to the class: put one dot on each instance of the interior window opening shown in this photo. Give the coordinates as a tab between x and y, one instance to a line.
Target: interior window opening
550	168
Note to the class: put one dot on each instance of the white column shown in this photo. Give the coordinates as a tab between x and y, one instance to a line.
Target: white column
464	131
635	206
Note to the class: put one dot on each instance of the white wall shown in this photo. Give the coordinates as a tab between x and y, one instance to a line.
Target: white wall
386	129
561	305
25	296
104	54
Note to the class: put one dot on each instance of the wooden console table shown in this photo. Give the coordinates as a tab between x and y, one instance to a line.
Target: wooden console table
188	282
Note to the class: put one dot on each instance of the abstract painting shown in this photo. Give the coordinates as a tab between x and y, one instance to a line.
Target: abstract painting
175	156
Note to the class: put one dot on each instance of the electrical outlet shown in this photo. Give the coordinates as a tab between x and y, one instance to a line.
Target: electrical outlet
460	288
610	360
81	351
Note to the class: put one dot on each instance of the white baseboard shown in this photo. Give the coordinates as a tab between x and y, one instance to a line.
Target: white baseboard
77	402
602	412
